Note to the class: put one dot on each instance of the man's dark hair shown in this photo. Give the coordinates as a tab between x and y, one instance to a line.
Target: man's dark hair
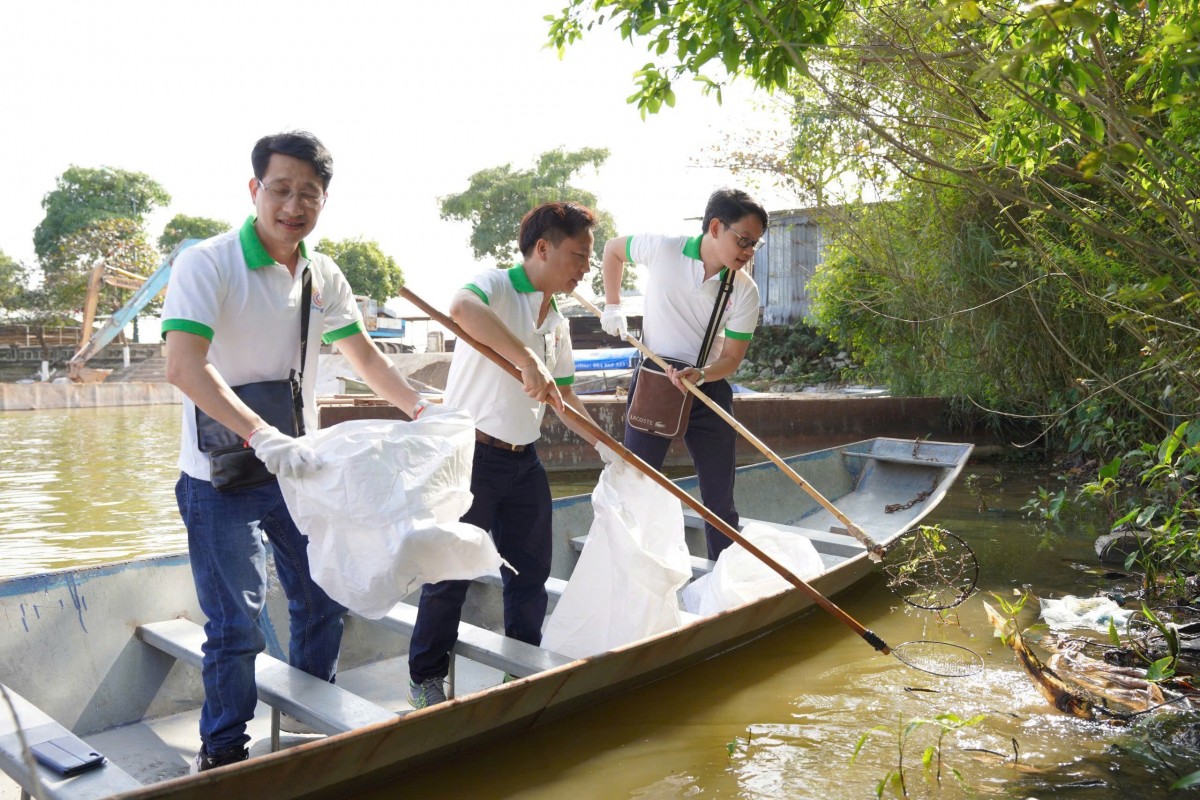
554	222
730	205
297	144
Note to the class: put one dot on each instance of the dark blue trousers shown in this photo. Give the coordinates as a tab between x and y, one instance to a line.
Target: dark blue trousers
512	501
711	441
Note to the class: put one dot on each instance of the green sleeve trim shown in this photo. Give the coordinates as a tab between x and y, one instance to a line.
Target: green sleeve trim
470	287
187	326
342	333
629	249
744	337
567	381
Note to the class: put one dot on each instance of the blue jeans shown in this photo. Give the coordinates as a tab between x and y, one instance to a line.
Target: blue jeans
711	441
512	501
228	558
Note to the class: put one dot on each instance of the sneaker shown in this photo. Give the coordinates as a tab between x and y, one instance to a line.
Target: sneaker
427	693
509	678
206	761
289	724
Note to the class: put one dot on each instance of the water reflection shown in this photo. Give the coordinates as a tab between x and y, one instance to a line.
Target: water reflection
87	486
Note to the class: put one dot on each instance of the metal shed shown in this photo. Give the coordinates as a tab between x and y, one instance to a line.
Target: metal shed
785	263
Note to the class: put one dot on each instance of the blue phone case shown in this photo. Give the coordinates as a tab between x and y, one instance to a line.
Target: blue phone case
66	755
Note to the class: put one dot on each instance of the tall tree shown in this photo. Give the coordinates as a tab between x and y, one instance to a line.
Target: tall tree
84	195
497	198
13	280
120	243
183	227
368	269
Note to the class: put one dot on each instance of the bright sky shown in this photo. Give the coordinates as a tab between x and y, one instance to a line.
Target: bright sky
411	98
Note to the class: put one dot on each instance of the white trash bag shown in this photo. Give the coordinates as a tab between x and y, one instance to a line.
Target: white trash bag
1093	613
625	585
382	513
740	577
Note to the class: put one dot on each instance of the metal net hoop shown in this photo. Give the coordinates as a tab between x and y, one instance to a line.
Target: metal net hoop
931	568
940	658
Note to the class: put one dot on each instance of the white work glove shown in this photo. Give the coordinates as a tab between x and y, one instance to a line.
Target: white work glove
284	456
426	409
612	320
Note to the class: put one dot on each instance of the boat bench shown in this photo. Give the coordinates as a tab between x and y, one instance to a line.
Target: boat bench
481	645
827	543
554	586
323	706
700	566
102	781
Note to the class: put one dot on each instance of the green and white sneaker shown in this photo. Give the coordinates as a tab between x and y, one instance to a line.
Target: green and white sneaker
427	693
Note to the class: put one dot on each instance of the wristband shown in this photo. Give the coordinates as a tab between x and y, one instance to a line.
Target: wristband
419	407
251	436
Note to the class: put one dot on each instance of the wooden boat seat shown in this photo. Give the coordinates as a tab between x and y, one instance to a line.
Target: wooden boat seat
103	781
483	646
323	706
827	543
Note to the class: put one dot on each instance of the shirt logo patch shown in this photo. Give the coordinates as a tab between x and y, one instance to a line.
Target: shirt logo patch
318	303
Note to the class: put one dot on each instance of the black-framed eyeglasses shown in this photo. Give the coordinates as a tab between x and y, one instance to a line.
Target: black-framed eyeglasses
282	194
744	242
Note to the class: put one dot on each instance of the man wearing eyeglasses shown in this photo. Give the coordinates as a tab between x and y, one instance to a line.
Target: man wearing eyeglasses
683	278
232	316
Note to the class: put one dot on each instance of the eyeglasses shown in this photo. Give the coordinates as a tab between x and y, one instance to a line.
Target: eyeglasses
744	242
281	195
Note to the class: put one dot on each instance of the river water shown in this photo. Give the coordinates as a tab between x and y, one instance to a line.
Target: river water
781	717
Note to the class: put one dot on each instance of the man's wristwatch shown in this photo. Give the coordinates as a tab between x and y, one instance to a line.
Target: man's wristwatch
700	382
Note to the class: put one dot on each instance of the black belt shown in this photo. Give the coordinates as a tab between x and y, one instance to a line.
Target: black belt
492	441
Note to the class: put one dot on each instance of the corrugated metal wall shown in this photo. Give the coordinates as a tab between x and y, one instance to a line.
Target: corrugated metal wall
784	265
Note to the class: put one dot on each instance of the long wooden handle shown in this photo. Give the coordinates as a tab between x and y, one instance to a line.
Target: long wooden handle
875	550
712	519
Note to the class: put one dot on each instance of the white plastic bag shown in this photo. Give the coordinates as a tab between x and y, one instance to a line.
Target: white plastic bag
625	585
382	514
740	576
1094	613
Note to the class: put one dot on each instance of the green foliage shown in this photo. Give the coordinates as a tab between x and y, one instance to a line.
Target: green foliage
1156	489
368	269
183	227
932	758
13	281
1038	252
499	197
82	196
120	243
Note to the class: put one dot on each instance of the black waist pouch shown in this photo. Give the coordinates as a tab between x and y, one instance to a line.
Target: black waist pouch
234	465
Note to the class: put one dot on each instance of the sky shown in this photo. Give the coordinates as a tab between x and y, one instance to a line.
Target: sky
411	99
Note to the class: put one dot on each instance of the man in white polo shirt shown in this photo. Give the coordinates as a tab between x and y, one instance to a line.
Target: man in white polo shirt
232	316
513	311
683	278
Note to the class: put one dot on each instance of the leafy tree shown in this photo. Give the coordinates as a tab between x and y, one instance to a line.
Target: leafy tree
368	269
497	198
13	280
1039	249
183	227
84	195
119	243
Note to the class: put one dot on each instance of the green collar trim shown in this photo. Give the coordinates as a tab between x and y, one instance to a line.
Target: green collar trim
520	279
691	248
253	251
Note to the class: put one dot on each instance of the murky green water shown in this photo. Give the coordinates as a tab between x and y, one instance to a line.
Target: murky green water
778	718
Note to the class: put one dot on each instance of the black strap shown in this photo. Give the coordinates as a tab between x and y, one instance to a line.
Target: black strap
710	335
297	378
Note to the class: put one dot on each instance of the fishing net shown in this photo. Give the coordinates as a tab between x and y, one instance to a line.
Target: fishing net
940	658
931	568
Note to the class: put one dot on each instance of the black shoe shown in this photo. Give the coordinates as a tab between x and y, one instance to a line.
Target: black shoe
205	760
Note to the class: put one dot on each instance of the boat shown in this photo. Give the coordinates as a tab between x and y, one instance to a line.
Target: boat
107	656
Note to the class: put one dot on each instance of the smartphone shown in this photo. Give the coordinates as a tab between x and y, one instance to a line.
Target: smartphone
66	755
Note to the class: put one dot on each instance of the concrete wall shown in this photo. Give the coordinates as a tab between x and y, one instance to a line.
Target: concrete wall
36	396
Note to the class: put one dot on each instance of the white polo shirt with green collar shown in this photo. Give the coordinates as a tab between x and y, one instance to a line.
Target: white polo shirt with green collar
494	398
679	301
230	291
